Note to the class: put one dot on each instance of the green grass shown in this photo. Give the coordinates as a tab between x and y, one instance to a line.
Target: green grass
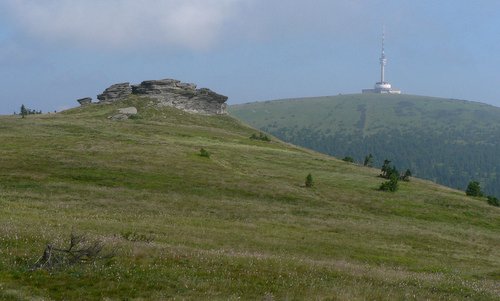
448	141
381	111
237	225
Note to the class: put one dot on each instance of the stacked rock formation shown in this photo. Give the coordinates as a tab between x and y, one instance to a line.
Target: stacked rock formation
115	92
170	92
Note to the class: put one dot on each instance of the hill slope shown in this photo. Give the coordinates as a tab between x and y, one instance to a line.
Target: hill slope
237	225
448	141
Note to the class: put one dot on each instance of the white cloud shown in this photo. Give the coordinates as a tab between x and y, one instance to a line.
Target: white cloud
185	24
193	24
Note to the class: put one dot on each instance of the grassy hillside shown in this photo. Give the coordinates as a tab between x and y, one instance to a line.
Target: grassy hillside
237	225
448	141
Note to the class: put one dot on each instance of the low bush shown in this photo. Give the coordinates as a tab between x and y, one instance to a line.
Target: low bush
493	201
261	137
204	153
348	159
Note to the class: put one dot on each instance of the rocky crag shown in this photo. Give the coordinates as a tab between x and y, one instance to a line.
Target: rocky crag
115	92
169	92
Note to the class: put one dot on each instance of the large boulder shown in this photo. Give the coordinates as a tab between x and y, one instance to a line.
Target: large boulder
128	111
115	92
124	113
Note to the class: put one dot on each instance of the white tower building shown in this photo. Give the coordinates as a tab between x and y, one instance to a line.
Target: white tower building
382	86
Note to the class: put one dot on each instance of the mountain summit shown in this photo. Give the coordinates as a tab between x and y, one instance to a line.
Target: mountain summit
448	141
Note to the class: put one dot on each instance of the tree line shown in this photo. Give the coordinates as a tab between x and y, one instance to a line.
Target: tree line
24	111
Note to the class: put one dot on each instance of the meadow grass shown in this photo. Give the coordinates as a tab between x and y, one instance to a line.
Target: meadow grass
238	225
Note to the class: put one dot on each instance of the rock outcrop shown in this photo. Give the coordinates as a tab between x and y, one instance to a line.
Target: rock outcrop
170	92
84	101
115	92
184	96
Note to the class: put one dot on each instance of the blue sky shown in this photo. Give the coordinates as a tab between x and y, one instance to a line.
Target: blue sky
55	51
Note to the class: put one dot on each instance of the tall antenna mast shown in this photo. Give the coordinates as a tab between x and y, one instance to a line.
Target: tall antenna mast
383	60
382	86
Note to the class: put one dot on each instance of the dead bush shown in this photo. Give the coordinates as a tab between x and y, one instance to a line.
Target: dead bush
79	251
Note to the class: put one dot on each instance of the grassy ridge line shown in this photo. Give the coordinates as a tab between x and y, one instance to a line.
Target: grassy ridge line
236	225
297	112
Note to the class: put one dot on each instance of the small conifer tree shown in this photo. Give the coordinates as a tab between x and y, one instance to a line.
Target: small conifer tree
24	111
368	161
386	168
406	176
391	185
474	189
309	181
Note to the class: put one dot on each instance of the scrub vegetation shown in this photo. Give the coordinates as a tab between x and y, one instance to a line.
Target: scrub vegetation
240	225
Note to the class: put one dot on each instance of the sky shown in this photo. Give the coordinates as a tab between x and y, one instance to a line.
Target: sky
53	52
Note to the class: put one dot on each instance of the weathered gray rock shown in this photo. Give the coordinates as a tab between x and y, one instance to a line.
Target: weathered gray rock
170	92
84	101
124	113
128	111
115	92
184	96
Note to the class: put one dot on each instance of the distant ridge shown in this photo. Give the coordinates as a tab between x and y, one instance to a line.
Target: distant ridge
446	140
